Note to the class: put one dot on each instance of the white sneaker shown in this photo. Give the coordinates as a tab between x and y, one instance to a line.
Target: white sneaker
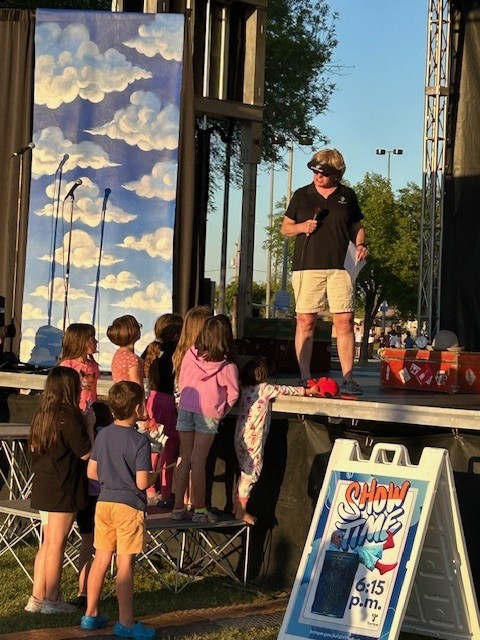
34	605
57	606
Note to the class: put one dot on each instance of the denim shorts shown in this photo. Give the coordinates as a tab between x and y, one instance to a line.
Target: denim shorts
189	421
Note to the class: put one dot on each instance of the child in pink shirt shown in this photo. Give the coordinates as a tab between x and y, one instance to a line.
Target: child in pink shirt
126	365
208	386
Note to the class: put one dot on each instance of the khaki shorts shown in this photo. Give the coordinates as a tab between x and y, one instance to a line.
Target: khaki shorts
313	287
120	528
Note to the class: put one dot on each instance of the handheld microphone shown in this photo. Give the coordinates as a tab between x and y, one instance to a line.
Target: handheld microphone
316	213
20	152
76	184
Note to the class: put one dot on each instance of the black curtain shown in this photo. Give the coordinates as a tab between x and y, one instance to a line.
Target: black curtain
186	247
17	29
460	274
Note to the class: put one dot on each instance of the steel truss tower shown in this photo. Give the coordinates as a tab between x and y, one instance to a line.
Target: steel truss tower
441	45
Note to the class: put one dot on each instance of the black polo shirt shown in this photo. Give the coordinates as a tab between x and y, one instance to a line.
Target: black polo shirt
327	247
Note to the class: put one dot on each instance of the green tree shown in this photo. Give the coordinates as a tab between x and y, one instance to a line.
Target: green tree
300	42
392	229
275	243
258	296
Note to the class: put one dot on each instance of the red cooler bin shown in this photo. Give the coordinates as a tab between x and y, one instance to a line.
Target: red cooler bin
424	370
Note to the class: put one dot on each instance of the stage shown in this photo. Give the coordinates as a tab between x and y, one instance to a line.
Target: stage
422	408
298	448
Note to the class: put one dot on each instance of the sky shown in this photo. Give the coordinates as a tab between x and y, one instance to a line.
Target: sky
378	103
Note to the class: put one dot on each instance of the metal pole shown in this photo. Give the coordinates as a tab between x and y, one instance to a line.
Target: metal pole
388	165
223	257
17	245
67	269
289	196
268	293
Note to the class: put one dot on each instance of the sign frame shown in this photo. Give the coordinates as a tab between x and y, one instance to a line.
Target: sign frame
412	571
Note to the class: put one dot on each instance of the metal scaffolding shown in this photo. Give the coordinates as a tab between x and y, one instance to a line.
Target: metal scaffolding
441	43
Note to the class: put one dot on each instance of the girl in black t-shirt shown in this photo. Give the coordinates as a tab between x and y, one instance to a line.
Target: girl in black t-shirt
59	442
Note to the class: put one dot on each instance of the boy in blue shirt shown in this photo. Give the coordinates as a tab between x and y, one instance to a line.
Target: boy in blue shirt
120	460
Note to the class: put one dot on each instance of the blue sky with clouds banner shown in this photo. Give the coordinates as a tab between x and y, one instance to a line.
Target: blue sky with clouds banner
106	112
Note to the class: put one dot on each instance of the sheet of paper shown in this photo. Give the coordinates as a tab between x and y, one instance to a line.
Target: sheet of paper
351	264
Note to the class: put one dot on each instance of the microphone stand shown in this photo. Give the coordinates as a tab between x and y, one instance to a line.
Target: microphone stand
10	331
102	231
54	239
67	268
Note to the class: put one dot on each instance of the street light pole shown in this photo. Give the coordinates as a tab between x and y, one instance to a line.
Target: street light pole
305	141
268	292
289	197
382	152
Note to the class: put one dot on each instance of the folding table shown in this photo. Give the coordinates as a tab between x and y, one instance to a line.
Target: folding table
22	524
193	549
18	474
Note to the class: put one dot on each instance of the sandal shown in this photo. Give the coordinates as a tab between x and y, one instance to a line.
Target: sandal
89	623
138	632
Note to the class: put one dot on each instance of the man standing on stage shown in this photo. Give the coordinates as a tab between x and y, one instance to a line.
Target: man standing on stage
324	217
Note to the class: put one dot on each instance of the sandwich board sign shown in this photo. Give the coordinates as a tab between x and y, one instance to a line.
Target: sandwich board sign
385	552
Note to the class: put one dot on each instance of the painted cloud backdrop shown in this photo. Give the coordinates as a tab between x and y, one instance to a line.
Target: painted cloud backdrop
106	119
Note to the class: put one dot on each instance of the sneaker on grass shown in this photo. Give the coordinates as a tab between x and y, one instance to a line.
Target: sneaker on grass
57	606
351	388
34	605
80	601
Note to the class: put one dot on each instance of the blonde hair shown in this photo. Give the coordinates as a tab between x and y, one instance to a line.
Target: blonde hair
167	329
333	157
74	343
194	320
124	331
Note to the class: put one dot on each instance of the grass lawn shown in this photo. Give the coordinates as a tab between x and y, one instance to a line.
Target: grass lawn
151	596
239	634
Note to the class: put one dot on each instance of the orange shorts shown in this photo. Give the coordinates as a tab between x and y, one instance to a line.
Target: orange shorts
119	528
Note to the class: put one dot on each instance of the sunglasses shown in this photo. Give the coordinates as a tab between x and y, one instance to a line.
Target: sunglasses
323	172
